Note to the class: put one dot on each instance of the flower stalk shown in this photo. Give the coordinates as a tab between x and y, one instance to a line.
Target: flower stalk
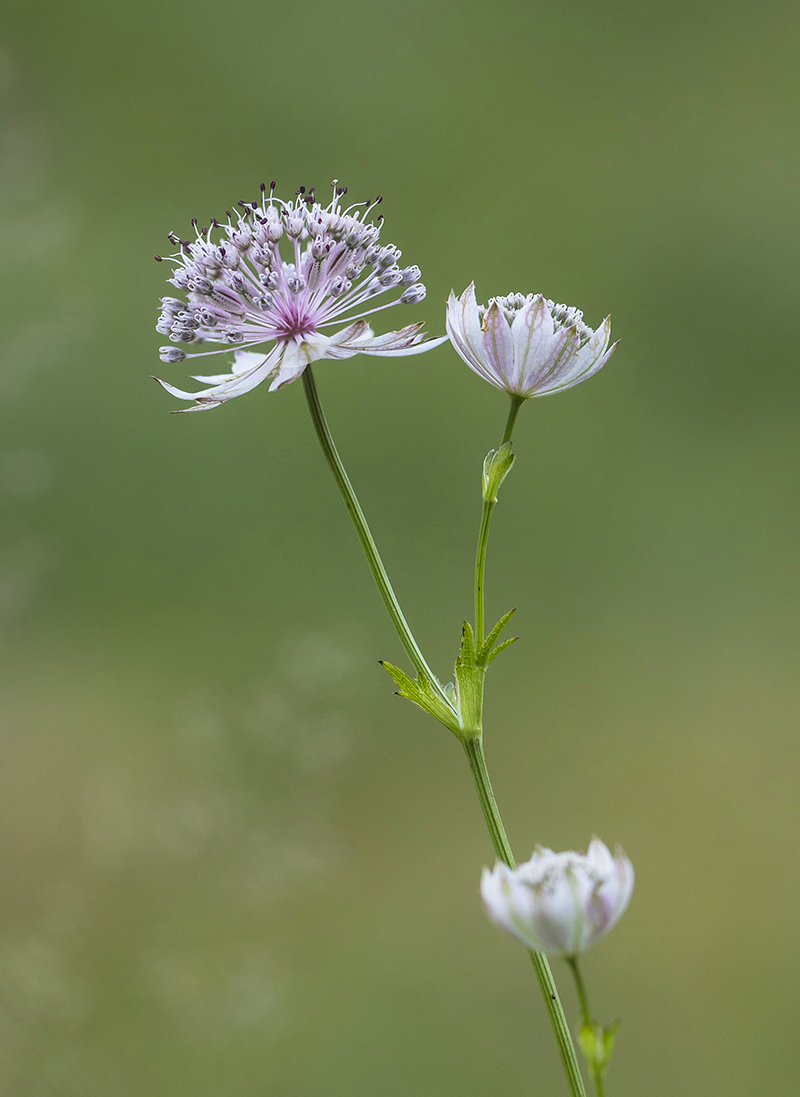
596	1041
496	467
365	536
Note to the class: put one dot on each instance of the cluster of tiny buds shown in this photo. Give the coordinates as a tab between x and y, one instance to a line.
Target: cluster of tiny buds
564	316
241	291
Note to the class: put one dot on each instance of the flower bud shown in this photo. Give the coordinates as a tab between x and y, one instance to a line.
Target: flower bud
413	295
171	354
560	903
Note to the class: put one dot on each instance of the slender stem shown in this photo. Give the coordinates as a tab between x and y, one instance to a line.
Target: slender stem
516	404
586	1017
480	566
483	535
473	747
580	987
365	536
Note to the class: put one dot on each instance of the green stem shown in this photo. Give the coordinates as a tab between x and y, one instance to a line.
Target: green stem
483	535
480	567
473	747
516	404
580	987
586	1017
365	536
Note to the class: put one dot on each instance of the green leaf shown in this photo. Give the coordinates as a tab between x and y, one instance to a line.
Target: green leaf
490	640
420	692
597	1043
467	654
500	647
406	683
496	466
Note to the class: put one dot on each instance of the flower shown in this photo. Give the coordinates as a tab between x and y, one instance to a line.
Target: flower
242	292
526	346
560	902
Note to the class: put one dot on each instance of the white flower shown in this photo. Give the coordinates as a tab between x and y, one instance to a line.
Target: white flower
560	903
241	291
526	346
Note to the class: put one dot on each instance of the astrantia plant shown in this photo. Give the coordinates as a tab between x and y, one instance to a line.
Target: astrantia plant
279	276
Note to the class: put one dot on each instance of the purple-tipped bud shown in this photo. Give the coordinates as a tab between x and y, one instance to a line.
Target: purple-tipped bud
391	277
171	354
414	294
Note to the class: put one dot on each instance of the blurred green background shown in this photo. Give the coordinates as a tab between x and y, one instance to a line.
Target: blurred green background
232	862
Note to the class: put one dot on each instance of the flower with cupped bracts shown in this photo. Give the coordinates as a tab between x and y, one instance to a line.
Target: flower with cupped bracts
526	345
242	291
560	903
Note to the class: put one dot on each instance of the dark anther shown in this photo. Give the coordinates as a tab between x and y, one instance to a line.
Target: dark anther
244	205
302	190
215	222
378	200
272	186
194	222
204	230
158	259
263	188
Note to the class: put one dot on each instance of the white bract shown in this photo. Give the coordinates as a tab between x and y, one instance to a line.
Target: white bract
526	345
560	903
241	291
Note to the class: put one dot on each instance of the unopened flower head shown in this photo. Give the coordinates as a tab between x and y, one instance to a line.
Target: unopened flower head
526	345
239	289
560	903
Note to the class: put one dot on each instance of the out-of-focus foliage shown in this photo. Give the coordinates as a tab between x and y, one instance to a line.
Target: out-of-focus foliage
231	862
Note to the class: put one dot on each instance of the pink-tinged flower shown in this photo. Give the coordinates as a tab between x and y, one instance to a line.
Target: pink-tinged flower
526	345
560	903
242	292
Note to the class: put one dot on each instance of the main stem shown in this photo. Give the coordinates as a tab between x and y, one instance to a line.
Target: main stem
364	534
473	747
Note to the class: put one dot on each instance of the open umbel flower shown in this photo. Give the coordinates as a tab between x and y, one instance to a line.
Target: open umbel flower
242	292
526	346
560	903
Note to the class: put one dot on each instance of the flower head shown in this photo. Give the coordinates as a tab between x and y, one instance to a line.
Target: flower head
242	291
526	345
560	903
